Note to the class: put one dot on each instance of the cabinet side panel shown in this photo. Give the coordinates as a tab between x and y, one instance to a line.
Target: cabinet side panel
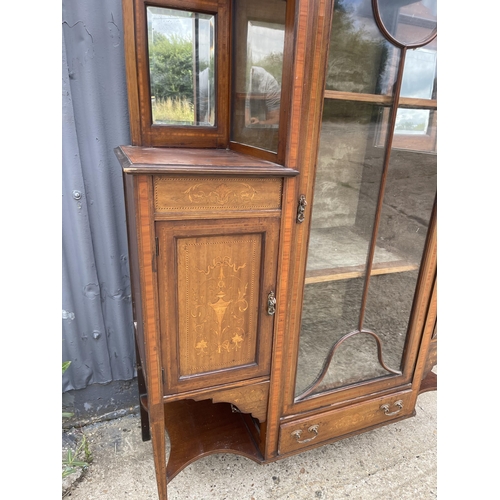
130	203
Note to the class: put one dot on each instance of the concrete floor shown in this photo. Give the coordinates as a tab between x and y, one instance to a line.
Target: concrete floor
395	462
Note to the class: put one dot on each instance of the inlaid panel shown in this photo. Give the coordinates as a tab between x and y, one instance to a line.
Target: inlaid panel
215	278
193	193
218	280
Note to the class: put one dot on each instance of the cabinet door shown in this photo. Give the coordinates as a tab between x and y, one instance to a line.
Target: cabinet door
370	260
215	277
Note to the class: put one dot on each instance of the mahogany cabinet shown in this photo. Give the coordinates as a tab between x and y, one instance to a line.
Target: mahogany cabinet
281	210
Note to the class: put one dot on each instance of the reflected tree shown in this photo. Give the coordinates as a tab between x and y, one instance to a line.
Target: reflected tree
171	67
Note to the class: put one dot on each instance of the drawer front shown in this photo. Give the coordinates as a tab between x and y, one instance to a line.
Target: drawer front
313	430
217	193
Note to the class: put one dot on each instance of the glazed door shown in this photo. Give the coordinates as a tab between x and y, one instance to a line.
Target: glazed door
370	217
216	300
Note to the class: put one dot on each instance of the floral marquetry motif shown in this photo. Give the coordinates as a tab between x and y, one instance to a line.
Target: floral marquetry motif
219	193
222	194
218	301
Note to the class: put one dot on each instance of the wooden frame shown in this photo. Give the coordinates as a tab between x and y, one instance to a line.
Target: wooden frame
226	200
279	156
140	100
143	132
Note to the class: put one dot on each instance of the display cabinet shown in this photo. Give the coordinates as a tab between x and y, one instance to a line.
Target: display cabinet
281	210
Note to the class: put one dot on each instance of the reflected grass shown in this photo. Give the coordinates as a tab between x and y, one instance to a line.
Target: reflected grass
172	111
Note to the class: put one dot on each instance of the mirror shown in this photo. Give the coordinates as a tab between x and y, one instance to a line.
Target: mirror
259	38
409	22
181	67
265	60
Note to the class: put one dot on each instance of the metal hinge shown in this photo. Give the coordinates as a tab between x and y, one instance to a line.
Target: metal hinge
157	246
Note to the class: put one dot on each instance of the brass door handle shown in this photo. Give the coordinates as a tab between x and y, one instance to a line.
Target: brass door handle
313	429
386	408
271	304
301	208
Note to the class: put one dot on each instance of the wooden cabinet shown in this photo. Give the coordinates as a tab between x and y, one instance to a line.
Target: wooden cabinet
282	232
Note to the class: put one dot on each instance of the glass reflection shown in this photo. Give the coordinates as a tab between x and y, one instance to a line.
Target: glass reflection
360	59
346	189
259	35
406	211
181	66
345	203
419	81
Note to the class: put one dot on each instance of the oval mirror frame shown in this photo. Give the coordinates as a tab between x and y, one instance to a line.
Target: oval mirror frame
391	38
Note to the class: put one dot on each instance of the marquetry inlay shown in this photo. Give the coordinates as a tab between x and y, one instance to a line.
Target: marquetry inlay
218	300
216	193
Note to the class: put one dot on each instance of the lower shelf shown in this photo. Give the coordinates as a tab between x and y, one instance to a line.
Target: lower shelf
429	383
200	428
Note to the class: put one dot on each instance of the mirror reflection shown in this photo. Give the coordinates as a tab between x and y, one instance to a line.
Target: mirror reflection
262	104
259	36
181	67
409	21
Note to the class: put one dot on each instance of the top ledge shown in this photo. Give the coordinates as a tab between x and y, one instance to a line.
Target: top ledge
151	160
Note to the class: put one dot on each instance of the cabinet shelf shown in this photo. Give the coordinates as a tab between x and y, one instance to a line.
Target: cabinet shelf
345	273
339	253
197	429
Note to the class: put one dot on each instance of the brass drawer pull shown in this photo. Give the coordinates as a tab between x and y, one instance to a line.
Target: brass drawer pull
399	404
296	434
271	304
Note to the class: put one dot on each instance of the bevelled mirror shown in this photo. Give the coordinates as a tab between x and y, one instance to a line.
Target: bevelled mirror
257	70
181	67
182	57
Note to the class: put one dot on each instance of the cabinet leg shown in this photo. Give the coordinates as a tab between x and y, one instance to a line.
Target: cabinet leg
146	434
156	415
141	383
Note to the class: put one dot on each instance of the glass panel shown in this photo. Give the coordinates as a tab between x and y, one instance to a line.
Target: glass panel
360	58
259	34
333	298
408	201
346	189
181	67
419	81
409	22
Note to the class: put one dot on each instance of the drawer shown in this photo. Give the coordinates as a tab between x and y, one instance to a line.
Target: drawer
310	431
215	193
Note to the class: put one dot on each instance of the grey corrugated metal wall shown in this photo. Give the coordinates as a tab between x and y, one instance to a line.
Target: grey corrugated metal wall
97	313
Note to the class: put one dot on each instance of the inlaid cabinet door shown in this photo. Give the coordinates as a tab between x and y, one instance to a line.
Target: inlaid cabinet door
217	284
